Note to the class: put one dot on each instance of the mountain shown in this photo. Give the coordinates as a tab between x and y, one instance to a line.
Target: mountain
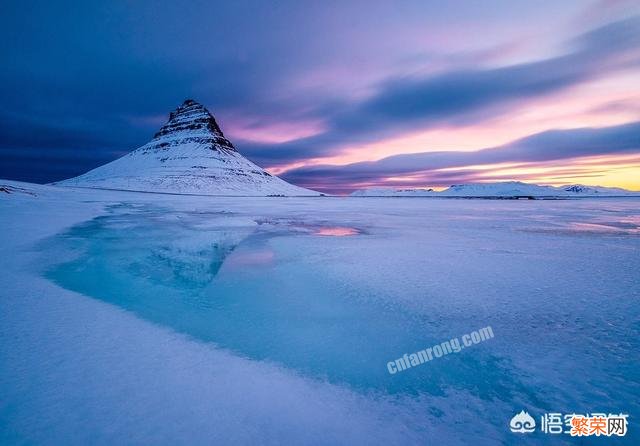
389	192
596	190
503	189
508	189
188	155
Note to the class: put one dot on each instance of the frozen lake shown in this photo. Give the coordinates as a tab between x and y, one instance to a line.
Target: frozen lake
273	320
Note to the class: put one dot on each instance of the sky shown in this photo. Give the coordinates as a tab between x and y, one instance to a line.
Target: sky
334	96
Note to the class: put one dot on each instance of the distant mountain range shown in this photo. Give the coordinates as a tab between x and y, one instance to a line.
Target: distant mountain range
509	189
188	155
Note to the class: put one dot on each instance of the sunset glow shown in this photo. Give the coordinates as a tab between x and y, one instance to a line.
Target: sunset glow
333	99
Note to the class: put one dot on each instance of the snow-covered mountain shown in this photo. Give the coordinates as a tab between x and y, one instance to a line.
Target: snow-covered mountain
597	190
390	192
188	155
508	189
503	189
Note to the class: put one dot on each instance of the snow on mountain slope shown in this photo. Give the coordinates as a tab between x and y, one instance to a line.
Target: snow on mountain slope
506	189
188	155
389	192
597	190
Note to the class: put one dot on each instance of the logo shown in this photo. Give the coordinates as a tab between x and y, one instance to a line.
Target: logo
522	423
576	425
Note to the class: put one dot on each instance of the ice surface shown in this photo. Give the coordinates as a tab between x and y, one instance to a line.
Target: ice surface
140	318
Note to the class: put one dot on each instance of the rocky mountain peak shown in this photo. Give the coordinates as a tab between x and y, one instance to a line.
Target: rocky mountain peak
188	155
191	122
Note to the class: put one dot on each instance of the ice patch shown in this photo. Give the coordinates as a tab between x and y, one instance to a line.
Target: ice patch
336	231
282	333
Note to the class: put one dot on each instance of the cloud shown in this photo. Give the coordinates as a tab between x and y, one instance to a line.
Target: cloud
460	97
553	145
91	77
43	165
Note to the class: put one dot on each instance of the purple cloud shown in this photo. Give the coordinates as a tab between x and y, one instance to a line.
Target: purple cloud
553	145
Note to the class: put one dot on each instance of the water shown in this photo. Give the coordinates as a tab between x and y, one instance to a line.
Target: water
234	287
335	299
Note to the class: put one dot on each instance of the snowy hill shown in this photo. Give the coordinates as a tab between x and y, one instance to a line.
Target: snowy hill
509	189
580	189
506	189
188	155
389	192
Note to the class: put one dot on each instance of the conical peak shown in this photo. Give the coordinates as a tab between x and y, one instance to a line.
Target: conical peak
191	116
189	106
188	155
192	122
